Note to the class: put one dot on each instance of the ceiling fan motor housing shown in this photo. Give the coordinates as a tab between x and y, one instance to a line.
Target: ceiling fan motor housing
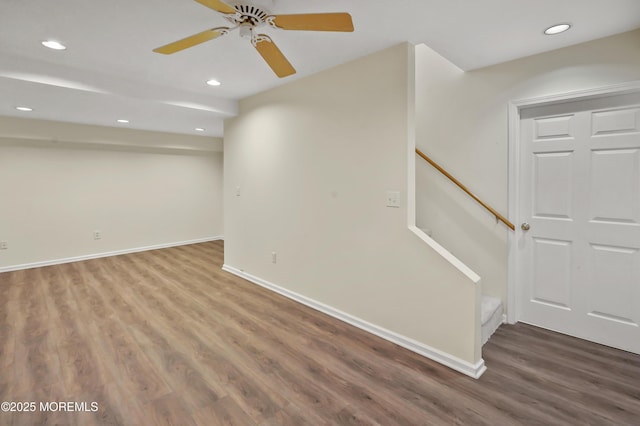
247	15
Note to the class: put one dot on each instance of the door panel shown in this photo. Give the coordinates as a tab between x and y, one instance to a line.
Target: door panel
553	172
626	120
552	272
615	193
554	127
612	292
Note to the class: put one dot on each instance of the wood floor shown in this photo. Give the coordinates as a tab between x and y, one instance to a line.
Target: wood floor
167	337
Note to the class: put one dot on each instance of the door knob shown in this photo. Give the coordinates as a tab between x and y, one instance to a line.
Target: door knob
525	226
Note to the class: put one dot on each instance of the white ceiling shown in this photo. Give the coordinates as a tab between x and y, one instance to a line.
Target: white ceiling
109	70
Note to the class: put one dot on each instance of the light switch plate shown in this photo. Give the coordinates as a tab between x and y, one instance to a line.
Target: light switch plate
393	199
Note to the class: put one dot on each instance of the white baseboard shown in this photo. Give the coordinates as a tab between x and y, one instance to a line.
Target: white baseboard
462	366
105	254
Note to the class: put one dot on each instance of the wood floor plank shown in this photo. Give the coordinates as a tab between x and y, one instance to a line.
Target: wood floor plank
136	371
182	376
168	410
10	285
351	415
224	412
167	337
292	415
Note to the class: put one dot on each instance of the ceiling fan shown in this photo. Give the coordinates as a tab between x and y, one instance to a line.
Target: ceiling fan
247	18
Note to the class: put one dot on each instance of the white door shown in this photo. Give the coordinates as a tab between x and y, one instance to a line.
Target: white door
580	196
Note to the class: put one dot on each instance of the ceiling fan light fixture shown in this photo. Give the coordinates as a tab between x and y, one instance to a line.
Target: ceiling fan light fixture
557	29
246	31
55	45
213	82
24	108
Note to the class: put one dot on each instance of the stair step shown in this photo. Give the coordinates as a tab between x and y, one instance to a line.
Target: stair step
491	316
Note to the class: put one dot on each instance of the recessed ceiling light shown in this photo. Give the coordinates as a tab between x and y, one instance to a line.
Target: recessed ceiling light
213	83
557	29
199	129
52	44
23	108
123	121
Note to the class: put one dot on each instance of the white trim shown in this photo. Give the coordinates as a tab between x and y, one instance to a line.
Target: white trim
578	95
446	254
455	363
515	108
411	137
514	214
105	254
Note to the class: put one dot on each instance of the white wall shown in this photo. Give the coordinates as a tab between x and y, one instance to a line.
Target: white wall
313	160
138	188
462	124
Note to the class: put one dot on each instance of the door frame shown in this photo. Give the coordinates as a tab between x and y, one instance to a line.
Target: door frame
514	286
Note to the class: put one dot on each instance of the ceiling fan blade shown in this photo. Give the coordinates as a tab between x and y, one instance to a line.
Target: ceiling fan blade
217	5
191	41
314	22
273	56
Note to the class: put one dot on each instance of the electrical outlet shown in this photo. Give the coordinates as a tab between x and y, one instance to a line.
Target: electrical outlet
97	235
4	245
274	257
